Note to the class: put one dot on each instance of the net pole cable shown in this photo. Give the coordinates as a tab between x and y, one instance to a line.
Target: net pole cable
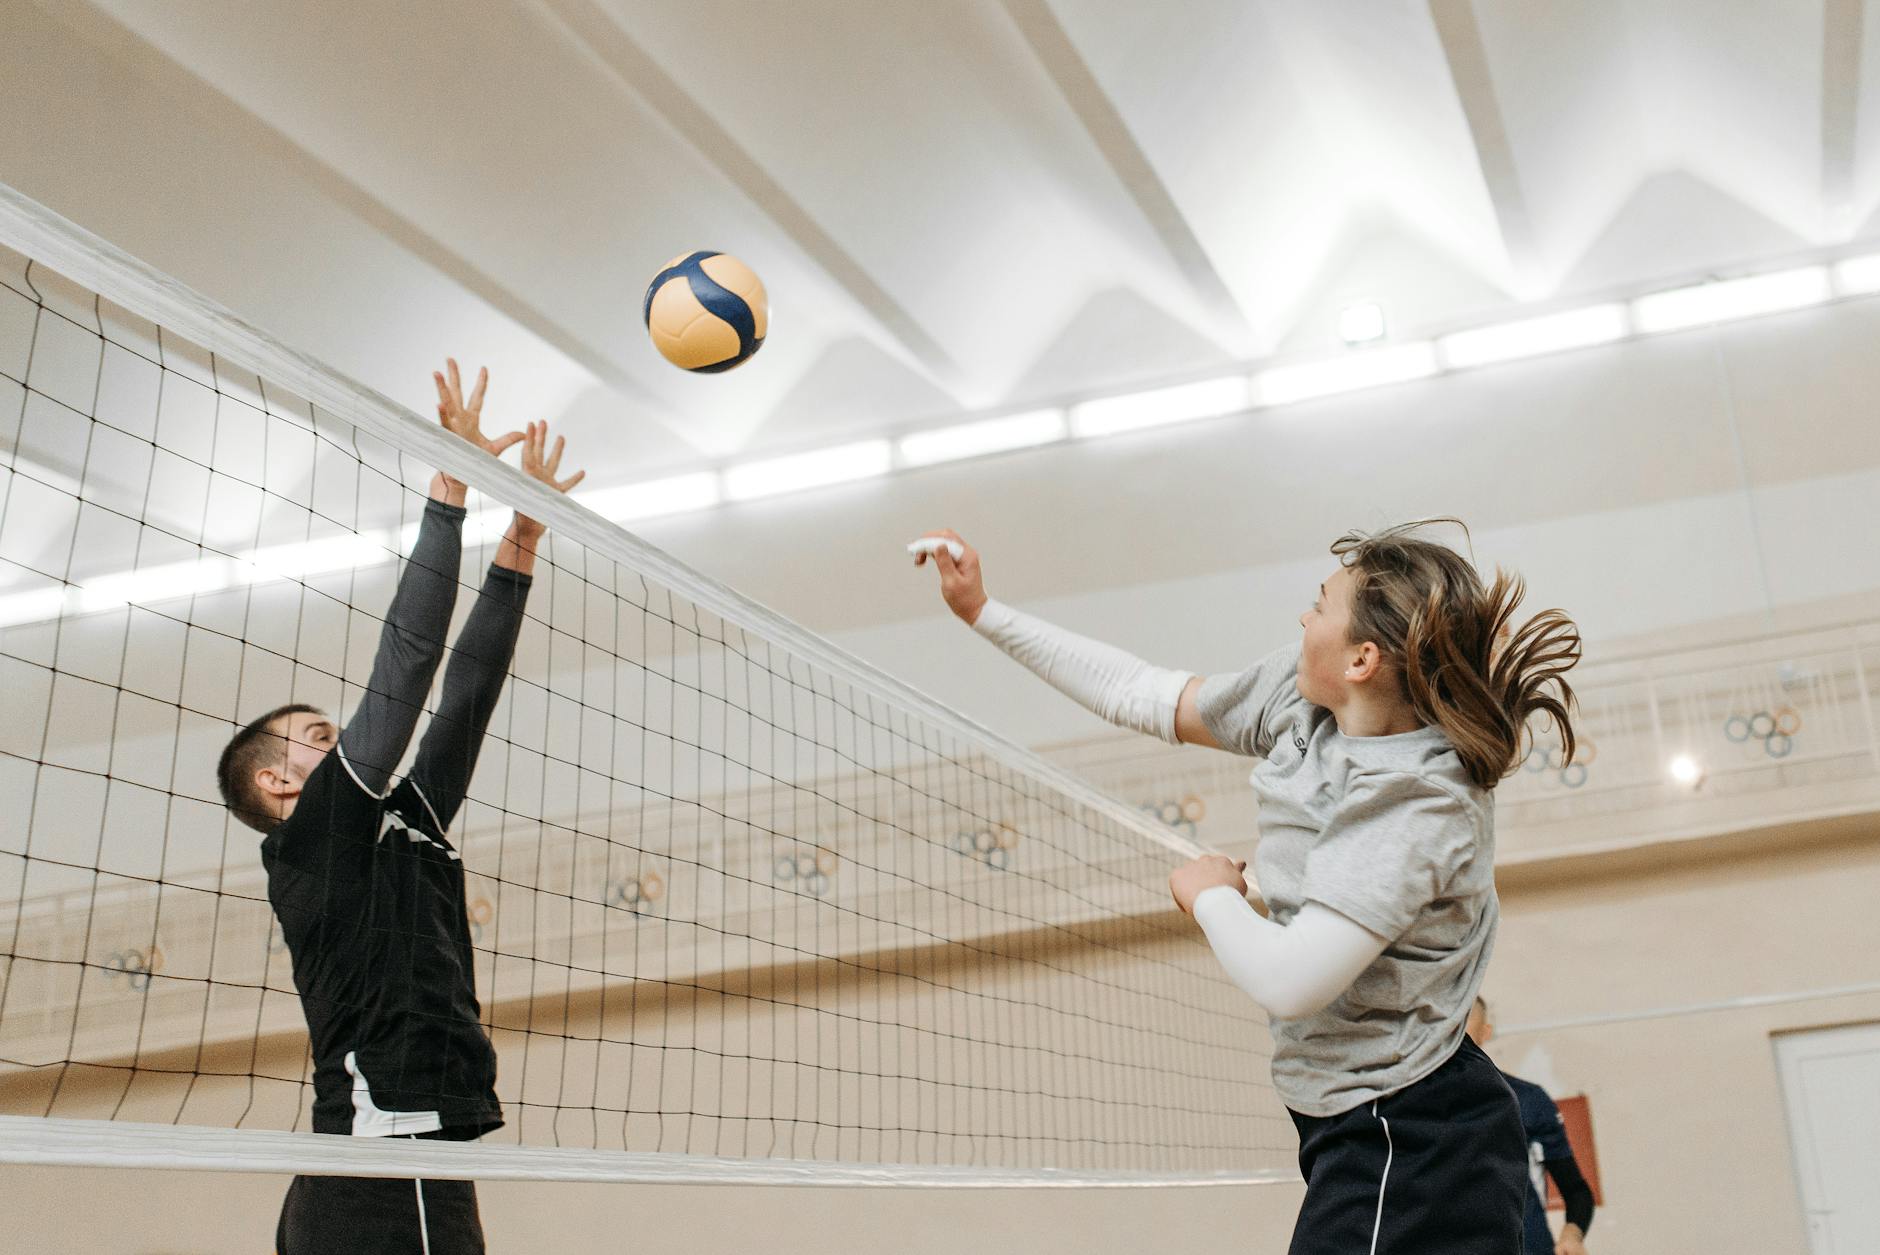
743	908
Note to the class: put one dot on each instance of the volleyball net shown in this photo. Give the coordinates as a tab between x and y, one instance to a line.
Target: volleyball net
743	907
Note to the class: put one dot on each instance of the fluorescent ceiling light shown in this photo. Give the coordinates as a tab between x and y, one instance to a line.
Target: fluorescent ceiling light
993	435
1856	275
150	584
1686	770
35	607
1361	324
807	470
1549	333
1209	398
1731	298
145	586
654	497
1363	368
343	552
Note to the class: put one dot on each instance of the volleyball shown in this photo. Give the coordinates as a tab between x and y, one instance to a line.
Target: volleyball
706	312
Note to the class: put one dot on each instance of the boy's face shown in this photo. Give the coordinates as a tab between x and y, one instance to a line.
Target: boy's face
307	737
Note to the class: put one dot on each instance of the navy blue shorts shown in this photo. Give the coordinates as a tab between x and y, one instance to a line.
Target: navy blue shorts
1438	1166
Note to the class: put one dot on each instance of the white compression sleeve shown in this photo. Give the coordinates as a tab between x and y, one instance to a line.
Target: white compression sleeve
1293	969
1103	679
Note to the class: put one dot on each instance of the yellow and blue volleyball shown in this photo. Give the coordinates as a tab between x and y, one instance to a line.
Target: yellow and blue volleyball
706	312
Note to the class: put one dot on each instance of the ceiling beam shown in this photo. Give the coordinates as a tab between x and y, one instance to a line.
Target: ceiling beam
1101	120
596	33
1467	58
1840	114
105	31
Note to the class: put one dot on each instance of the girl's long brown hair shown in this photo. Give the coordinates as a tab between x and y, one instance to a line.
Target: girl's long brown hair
1451	642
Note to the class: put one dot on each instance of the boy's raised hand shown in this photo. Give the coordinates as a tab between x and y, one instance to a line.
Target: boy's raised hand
465	418
543	462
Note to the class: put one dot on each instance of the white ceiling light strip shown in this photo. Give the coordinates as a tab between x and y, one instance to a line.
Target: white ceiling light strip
1729	299
1352	372
993	435
1857	276
1532	337
820	468
1159	407
677	494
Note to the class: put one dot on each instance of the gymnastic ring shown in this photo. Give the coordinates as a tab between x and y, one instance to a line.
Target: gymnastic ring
1000	858
1788	721
652	887
1787	745
136	970
784	868
1767	722
1568	778
1008	836
826	860
1736	728
480	911
1194	810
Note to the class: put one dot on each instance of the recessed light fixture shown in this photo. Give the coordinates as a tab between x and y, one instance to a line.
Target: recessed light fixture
1362	323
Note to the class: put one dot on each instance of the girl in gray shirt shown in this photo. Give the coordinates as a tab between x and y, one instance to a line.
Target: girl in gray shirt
1379	740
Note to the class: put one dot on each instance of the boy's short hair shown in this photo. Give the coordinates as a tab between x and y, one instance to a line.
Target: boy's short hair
247	752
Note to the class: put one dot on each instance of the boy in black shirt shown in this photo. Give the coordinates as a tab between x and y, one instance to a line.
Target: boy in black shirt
368	888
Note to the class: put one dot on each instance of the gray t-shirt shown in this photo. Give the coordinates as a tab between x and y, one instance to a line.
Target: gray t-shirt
1388	831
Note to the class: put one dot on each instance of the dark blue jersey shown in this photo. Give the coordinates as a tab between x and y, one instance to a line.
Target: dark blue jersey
1548	1152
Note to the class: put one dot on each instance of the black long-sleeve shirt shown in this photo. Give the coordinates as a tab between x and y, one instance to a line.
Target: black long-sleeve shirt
367	886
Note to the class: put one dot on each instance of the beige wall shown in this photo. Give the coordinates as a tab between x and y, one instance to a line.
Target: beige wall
1687	1107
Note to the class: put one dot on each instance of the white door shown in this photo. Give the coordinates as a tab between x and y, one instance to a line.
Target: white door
1831	1080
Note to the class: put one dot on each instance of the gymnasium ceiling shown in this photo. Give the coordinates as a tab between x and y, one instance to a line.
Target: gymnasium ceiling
975	206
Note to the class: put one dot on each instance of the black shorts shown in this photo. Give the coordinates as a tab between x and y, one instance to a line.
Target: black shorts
1438	1166
379	1216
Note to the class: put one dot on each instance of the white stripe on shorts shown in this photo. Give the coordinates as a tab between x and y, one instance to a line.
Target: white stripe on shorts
1389	1152
424	1226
